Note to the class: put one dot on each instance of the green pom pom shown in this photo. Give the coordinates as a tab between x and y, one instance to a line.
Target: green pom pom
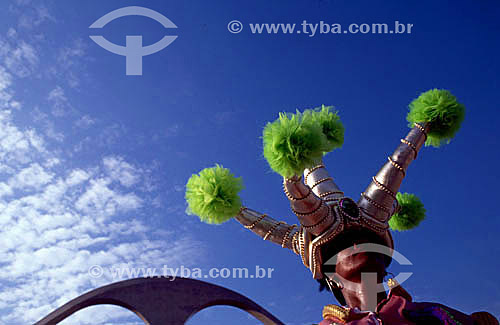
411	214
292	143
441	109
213	195
330	124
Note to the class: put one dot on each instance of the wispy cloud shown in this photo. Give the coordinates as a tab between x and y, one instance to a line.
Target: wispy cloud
47	125
54	226
71	63
121	171
19	57
84	122
5	81
111	134
58	219
32	15
59	101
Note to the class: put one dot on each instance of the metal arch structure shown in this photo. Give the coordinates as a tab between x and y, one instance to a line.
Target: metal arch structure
161	301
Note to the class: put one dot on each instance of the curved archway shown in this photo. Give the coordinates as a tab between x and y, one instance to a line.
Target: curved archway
221	315
105	314
162	300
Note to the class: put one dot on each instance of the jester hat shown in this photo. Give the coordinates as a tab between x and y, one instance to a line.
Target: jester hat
294	146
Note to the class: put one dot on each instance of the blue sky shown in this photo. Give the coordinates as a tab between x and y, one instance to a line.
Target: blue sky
93	163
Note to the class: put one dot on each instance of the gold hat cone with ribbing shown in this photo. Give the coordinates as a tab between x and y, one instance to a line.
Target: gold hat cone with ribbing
313	213
278	232
311	201
322	184
379	198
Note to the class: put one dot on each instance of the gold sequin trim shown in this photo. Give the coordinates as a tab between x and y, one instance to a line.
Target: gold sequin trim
253	224
300	214
272	229
392	283
341	313
333	199
241	210
302	246
290	180
398	166
372	224
412	146
314	250
291	198
295	242
322	195
421	128
321	181
312	170
322	220
384	188
287	235
376	204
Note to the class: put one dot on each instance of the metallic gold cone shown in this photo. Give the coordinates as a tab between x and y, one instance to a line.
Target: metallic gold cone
379	198
322	184
313	213
278	232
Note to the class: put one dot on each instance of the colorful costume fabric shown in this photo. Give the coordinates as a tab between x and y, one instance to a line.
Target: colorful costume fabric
398	308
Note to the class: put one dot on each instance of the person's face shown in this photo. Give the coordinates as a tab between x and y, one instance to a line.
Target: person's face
353	261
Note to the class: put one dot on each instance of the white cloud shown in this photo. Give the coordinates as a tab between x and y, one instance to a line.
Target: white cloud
19	57
47	124
57	222
11	33
59	101
5	81
121	171
5	190
51	162
61	224
51	133
85	122
68	54
34	176
33	15
57	94
100	200
17	147
111	134
71	59
58	217
76	177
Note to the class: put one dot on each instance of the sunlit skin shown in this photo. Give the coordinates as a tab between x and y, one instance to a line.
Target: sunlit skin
352	262
350	265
